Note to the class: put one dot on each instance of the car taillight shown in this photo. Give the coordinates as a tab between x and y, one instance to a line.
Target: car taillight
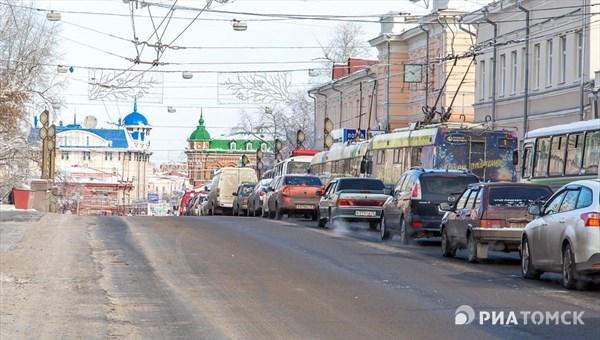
285	192
416	191
417	224
245	201
218	191
591	219
380	203
492	223
261	194
345	202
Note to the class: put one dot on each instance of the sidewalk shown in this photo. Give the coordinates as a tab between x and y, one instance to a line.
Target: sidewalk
8	213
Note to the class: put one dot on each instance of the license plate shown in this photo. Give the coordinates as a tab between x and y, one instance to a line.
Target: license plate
364	213
301	206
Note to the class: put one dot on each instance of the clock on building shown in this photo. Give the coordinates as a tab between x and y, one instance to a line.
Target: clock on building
412	73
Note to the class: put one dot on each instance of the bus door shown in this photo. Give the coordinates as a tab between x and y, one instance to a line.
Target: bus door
476	159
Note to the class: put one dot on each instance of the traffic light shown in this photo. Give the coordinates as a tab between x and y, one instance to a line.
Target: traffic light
259	163
327	138
277	150
300	137
244	160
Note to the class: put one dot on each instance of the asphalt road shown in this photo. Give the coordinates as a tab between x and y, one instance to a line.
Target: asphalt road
216	277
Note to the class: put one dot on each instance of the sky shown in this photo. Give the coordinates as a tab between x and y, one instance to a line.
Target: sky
96	40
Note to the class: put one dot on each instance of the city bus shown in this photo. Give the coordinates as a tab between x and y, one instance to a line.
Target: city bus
489	154
297	163
559	154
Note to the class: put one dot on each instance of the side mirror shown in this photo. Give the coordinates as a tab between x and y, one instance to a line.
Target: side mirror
515	157
444	206
320	193
387	191
234	194
534	210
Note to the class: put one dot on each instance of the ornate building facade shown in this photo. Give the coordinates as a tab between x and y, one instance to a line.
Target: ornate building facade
205	155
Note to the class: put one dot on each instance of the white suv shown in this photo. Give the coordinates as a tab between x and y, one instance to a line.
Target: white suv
565	236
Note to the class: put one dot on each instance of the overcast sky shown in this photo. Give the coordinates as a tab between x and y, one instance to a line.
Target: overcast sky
97	35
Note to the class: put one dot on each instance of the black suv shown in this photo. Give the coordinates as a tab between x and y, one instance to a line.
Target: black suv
413	209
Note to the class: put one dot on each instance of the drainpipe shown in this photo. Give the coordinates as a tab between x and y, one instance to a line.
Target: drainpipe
495	56
341	100
315	119
581	76
460	26
360	106
325	115
426	65
526	94
387	87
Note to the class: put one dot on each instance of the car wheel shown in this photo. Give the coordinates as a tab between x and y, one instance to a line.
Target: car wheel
278	213
320	221
271	214
568	268
472	249
527	269
404	238
383	230
447	249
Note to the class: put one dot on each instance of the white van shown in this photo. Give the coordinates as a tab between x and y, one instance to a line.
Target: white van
224	184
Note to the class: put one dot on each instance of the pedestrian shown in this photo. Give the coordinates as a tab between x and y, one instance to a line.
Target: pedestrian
11	196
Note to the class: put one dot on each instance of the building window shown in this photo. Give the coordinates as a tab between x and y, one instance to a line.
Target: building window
87	155
87	141
537	63
502	75
249	146
549	62
64	155
232	146
523	69
513	72
108	156
119	155
491	78
263	147
482	81
562	64
579	45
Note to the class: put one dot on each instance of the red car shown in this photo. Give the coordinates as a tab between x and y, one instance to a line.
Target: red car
295	194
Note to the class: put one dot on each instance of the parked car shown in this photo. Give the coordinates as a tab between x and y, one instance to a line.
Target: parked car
352	199
295	194
270	192
565	236
255	200
240	200
224	183
204	206
413	209
489	216
185	199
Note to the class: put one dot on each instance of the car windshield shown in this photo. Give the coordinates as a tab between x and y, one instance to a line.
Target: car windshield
446	184
516	196
298	167
360	184
302	180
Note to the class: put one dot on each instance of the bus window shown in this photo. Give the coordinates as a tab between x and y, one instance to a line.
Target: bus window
557	156
527	153
541	157
415	156
574	153
591	157
380	156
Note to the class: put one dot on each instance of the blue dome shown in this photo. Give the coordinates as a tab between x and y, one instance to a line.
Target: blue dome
135	118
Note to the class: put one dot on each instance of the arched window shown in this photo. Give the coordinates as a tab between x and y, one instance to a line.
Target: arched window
232	146
263	147
249	146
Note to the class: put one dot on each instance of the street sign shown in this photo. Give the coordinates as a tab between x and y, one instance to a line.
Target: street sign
152	197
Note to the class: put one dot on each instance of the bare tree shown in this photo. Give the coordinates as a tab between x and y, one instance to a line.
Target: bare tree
27	47
346	42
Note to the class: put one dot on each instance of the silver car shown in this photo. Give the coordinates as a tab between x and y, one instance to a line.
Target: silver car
565	236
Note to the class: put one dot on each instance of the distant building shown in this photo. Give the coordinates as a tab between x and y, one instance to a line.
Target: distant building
424	68
205	155
122	152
